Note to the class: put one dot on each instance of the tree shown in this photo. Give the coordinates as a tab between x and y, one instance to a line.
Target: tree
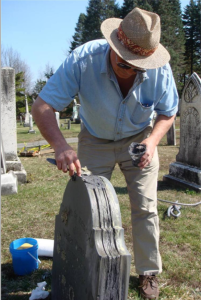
172	35
78	36
38	87
11	58
91	30
20	92
192	25
144	4
97	12
109	9
127	6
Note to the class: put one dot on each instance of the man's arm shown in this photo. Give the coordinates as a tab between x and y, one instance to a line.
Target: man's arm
44	116
161	127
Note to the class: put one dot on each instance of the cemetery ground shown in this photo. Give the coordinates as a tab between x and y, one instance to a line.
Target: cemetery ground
31	213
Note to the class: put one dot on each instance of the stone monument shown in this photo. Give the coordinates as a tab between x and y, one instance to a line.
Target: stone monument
57	118
186	171
31	130
26	120
8	125
90	260
171	135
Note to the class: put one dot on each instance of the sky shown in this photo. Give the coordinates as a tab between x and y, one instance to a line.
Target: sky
41	30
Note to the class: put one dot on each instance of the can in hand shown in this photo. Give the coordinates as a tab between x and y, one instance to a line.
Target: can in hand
136	151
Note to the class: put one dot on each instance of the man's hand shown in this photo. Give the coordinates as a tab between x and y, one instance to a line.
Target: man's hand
147	157
161	127
66	158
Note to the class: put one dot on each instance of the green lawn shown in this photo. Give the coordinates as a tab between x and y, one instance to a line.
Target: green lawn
31	213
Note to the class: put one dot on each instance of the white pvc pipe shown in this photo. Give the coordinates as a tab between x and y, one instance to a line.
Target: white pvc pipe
45	247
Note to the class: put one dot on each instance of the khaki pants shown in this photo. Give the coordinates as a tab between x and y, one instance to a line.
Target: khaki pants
100	157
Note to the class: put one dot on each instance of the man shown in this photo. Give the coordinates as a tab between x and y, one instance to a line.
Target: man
120	83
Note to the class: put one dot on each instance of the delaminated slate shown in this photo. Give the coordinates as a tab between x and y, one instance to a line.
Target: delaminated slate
90	261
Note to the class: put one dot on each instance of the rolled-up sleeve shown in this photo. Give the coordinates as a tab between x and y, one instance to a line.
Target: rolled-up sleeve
168	103
63	86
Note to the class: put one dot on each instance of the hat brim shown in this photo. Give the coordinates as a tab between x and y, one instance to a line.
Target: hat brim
159	58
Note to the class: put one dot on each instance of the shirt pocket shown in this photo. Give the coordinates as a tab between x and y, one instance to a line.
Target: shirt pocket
142	111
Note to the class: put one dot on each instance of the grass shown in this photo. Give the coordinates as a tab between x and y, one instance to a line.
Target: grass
23	135
32	212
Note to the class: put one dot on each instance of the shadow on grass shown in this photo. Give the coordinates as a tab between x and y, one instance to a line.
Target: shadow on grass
164	185
16	287
121	190
134	284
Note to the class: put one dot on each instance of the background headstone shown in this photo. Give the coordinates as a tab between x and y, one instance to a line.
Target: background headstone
171	135
57	118
31	130
8	113
186	171
3	160
90	259
26	120
8	128
69	124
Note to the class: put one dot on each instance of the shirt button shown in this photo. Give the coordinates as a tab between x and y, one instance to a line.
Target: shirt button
117	132
120	119
124	102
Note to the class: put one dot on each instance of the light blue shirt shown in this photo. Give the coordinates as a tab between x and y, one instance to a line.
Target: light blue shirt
104	111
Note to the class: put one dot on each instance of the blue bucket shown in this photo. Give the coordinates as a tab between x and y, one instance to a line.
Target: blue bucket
24	260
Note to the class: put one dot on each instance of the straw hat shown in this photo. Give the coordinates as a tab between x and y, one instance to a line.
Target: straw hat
136	39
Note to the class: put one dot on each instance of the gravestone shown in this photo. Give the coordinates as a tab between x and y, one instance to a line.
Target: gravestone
69	125
8	125
186	171
90	260
171	135
57	118
31	130
26	120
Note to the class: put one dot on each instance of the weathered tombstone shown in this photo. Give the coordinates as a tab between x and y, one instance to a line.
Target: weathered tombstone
57	118
21	120
90	260
171	135
31	130
8	125
3	160
69	124
186	171
26	120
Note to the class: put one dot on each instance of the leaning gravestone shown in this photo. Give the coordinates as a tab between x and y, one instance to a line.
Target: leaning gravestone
90	260
186	171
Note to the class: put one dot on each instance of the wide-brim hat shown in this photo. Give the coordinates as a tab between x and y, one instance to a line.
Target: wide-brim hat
136	39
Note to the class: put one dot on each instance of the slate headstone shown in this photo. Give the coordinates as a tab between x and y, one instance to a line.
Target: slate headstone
186	171
90	260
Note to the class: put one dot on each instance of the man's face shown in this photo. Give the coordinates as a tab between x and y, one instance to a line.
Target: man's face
121	67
